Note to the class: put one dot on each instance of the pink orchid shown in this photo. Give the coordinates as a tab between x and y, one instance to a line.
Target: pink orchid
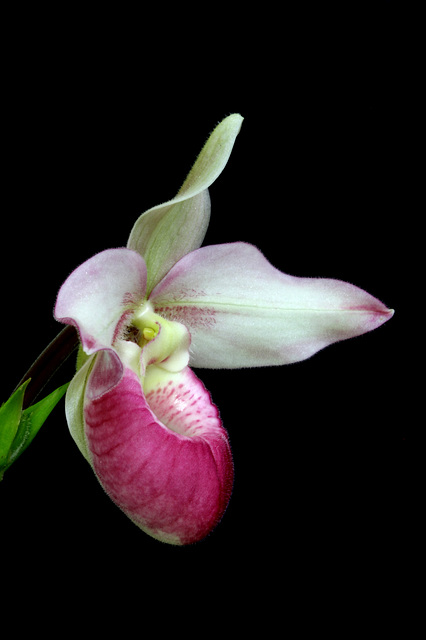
146	313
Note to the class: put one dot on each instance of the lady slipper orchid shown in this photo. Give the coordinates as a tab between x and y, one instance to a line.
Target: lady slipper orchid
147	313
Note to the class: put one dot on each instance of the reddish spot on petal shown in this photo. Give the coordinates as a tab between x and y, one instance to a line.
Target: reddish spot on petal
193	317
89	342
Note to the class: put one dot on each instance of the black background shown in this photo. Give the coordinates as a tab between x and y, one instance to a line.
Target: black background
104	120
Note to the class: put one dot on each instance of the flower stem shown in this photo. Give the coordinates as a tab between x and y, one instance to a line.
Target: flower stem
48	363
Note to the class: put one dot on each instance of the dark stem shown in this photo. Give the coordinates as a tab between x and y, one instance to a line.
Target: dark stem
48	363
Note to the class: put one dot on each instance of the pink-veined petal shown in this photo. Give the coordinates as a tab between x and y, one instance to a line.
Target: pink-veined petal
100	294
163	458
242	312
99	374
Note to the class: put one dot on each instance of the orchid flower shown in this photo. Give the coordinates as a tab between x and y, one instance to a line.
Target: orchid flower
146	314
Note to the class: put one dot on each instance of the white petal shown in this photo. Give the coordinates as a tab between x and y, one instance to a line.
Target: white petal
99	294
242	312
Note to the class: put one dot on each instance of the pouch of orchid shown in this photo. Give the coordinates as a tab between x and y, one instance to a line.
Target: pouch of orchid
145	316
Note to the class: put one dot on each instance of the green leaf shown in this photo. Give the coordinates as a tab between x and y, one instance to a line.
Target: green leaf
10	417
24	425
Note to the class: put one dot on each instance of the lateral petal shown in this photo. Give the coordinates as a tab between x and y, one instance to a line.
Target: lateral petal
242	312
166	233
99	295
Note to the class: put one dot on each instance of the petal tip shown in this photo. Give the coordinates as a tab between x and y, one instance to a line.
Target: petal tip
387	315
383	315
